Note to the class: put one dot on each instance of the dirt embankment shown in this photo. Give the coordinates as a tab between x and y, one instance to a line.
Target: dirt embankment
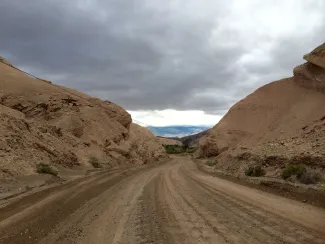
280	123
158	203
41	122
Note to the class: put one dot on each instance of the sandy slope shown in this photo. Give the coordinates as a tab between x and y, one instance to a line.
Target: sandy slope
280	123
166	203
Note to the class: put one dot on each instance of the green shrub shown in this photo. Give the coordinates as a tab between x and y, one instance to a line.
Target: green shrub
255	171
94	162
302	174
290	170
46	169
211	163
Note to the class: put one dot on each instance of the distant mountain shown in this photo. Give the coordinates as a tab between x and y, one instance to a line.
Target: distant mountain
177	131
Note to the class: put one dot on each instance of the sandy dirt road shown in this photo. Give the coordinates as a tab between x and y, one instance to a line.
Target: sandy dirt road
168	203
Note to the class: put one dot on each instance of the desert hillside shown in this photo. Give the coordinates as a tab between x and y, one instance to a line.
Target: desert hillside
45	123
168	141
281	122
193	140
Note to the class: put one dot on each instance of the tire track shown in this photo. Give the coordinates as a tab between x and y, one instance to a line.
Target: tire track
147	221
217	225
192	222
165	204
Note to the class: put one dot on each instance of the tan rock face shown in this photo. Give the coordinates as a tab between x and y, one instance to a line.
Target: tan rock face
45	123
269	121
145	146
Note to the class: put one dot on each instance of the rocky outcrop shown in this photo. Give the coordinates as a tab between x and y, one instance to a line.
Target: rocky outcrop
283	119
45	123
145	145
317	56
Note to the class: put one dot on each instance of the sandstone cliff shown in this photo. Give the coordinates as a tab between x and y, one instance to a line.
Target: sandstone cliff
281	122
45	123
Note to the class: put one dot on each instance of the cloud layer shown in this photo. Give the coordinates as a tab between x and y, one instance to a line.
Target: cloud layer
156	55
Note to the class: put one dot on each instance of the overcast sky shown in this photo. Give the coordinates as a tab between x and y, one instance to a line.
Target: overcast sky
165	61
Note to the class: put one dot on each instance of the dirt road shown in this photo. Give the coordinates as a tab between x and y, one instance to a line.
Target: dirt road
167	203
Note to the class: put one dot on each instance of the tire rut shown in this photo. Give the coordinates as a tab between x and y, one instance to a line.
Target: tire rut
147	220
40	222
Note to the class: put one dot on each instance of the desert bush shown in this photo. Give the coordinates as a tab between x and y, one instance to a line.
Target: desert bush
94	162
290	170
211	163
303	175
310	177
255	171
46	169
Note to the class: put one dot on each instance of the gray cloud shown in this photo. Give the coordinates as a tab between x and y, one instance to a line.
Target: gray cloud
147	55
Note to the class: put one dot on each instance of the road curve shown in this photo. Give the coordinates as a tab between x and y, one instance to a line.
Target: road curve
164	204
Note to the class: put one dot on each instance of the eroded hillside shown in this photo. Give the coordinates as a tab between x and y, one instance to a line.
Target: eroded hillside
45	123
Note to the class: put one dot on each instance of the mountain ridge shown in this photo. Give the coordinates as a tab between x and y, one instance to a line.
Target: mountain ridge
177	130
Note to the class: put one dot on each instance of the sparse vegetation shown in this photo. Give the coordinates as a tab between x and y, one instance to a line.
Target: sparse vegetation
255	171
296	170
46	169
94	162
211	163
310	177
303	175
174	149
